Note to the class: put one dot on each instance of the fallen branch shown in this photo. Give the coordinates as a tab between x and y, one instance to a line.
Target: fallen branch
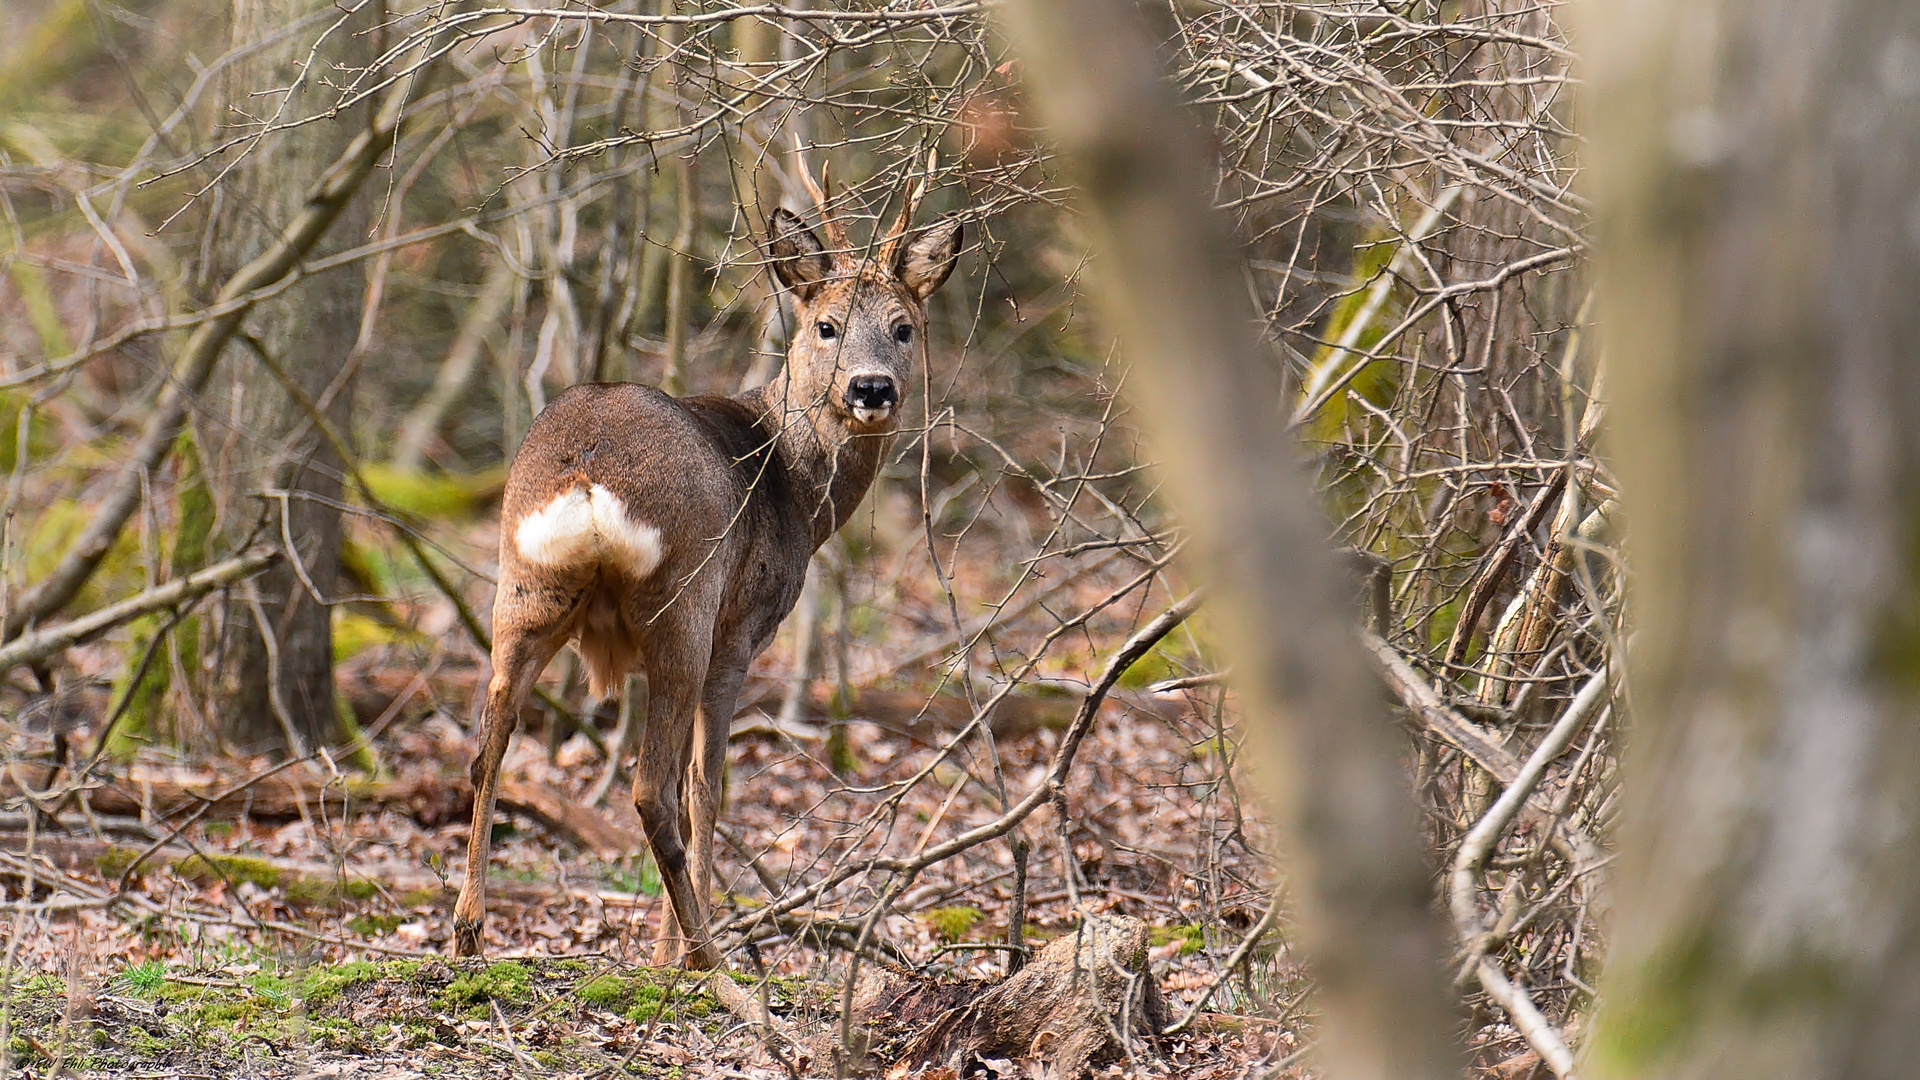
45	642
430	801
304	881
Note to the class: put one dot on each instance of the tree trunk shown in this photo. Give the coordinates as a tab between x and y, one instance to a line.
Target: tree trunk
1755	168
1169	277
276	690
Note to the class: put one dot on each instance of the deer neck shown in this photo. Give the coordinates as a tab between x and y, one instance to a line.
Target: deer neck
829	469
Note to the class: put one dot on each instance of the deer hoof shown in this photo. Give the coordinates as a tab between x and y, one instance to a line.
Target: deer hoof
466	938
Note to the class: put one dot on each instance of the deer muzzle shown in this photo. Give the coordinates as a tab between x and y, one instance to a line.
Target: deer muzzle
872	397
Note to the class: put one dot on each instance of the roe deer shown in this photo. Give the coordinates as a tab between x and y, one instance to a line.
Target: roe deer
676	533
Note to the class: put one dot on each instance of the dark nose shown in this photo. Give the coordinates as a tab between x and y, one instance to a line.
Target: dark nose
872	392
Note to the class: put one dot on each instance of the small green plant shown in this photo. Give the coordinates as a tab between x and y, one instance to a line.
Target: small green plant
1191	936
143	979
634	875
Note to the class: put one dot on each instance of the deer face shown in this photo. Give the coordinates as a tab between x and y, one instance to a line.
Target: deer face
858	327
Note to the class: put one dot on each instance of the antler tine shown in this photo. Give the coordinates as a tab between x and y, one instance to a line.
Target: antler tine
836	230
907	209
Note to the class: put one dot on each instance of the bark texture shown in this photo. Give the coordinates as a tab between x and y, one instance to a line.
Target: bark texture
1168	273
308	334
1755	170
1064	1008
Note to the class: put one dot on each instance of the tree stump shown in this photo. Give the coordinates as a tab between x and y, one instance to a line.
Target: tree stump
1073	1006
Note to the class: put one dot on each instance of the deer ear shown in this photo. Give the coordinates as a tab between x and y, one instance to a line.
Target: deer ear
799	259
925	261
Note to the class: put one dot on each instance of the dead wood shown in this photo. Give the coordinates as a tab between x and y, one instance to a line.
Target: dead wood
307	883
1071	1006
430	800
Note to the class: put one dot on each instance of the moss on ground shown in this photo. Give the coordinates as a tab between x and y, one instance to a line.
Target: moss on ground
301	890
569	1015
507	982
234	869
953	923
1191	936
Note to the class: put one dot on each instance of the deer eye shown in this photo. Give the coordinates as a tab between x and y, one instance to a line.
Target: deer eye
827	331
903	333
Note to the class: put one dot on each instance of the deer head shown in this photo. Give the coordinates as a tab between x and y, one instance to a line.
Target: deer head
859	324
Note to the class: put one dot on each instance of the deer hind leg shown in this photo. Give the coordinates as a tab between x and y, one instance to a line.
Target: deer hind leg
519	654
676	672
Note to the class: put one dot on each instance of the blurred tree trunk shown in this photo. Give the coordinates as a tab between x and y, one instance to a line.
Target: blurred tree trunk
307	333
1170	281
1756	169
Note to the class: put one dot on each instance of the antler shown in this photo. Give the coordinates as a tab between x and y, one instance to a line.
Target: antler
907	210
836	230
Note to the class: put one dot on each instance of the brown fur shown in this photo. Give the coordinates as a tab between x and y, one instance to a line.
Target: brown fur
742	491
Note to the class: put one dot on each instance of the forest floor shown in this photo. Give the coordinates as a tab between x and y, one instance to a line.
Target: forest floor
303	937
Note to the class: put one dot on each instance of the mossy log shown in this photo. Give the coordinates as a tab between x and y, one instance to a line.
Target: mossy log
1070	1006
431	800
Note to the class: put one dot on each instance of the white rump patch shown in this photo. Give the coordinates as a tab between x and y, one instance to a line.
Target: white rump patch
588	525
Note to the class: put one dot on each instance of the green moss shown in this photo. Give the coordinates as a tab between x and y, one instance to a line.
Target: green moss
39	437
114	861
840	757
644	994
432	495
54	528
207	869
607	991
416	1034
1154	667
322	985
192	528
277	989
953	923
507	982
308	891
339	1033
1378	378
401	969
354	633
1191	936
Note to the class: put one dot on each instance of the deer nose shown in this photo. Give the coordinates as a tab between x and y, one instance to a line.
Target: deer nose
872	392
